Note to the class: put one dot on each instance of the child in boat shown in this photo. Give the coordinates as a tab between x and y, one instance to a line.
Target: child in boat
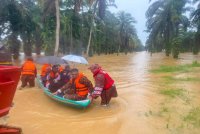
77	88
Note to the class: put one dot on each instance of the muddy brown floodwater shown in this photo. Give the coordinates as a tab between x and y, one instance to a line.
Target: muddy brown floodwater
135	111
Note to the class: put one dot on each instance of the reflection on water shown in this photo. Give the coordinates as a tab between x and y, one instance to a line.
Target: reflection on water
36	113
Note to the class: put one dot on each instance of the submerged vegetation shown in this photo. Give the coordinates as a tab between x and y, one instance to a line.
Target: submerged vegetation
171	79
193	117
178	101
179	68
172	92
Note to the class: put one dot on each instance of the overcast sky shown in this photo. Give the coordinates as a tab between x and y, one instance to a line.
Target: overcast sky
137	8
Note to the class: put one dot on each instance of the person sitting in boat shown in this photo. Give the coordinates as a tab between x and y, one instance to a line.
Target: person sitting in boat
53	79
104	85
45	70
65	75
60	68
77	88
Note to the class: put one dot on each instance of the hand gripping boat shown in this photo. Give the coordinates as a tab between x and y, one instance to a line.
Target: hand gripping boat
76	104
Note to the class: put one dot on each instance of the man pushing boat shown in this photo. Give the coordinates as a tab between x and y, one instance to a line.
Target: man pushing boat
104	85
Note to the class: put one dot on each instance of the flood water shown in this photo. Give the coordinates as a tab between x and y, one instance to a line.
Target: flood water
137	110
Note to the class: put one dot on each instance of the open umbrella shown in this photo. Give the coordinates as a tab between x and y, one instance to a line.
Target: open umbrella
50	60
75	58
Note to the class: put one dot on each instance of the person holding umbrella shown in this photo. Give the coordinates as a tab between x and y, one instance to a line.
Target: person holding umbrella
104	85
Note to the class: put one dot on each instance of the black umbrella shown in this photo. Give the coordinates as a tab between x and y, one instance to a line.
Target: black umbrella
49	60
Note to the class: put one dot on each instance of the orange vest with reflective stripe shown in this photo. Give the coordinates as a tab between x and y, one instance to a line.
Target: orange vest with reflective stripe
44	69
28	68
81	89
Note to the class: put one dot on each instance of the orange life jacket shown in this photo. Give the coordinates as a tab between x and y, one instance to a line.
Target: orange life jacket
29	68
81	89
61	69
44	69
53	75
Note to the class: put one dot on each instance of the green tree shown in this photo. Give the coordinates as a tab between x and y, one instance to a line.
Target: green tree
196	21
51	10
85	26
164	20
28	25
127	30
11	20
100	6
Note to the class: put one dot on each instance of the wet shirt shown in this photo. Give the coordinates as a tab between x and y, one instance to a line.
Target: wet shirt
28	68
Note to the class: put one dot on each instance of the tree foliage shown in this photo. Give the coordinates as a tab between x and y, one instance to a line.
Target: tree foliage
32	24
169	28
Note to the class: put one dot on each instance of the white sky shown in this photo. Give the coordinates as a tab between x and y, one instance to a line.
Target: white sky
137	8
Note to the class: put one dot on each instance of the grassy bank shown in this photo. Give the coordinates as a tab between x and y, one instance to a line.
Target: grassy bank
178	103
179	68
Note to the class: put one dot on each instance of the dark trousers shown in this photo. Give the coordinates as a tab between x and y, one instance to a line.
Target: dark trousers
106	95
74	97
28	79
71	95
53	87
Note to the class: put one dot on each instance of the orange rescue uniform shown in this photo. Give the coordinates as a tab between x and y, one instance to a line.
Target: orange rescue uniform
29	72
29	68
61	69
81	89
44	69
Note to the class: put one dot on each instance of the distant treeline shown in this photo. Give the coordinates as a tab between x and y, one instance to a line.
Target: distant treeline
170	29
86	26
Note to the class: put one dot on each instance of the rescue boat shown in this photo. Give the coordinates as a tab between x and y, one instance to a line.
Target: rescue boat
76	104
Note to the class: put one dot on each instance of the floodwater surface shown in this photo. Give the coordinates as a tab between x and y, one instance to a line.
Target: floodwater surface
141	108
